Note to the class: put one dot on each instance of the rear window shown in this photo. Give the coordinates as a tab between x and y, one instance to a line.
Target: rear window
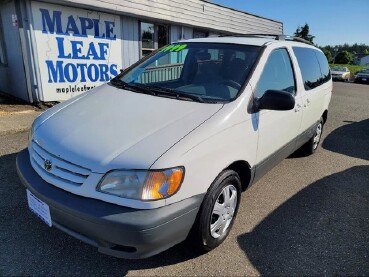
314	68
324	66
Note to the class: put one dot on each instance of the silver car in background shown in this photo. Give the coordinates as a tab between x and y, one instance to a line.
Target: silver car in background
340	73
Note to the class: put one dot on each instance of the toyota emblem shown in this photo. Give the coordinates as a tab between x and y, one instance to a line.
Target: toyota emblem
47	165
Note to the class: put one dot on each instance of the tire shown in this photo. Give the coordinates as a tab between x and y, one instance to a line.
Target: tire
311	146
217	212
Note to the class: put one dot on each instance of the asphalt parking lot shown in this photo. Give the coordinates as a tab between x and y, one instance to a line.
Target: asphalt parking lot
308	216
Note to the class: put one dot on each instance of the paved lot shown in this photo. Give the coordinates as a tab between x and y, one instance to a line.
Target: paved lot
15	116
307	216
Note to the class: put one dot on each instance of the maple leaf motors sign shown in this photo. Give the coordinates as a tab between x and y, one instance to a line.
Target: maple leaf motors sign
77	49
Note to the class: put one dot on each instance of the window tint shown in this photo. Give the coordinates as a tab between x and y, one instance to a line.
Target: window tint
324	66
277	74
309	66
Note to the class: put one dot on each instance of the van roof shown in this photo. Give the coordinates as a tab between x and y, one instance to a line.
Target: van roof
256	40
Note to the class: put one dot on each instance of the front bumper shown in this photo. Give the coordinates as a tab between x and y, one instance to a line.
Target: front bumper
118	231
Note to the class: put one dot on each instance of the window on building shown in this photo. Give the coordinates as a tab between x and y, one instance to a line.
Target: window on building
277	74
200	34
2	45
153	37
147	38
163	34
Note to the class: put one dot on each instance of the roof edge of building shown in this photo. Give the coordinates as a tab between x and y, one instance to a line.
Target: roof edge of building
240	11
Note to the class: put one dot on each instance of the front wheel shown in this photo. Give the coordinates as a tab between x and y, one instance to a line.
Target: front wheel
218	211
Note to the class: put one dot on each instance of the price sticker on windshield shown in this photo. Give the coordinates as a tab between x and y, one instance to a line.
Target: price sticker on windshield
174	48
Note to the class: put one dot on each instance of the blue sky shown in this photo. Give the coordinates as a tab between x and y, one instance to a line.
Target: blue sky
331	21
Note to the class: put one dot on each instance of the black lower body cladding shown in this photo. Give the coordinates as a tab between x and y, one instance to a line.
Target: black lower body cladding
115	230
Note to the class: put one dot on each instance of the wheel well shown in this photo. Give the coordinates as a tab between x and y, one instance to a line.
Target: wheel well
244	171
325	116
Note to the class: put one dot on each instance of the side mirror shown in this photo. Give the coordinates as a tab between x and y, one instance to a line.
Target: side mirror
276	100
121	70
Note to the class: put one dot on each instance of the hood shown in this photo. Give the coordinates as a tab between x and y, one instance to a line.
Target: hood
111	128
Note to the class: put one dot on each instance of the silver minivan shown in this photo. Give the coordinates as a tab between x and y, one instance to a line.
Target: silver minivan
163	151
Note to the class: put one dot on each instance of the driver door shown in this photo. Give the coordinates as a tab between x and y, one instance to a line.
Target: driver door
277	129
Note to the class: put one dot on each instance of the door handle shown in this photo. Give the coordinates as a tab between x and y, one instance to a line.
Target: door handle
297	108
307	102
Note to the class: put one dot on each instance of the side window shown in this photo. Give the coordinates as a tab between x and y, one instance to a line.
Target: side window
309	66
277	74
324	66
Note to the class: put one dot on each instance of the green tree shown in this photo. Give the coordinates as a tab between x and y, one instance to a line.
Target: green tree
303	32
343	57
366	52
328	54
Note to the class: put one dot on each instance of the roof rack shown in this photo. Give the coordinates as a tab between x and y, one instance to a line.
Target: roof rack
275	36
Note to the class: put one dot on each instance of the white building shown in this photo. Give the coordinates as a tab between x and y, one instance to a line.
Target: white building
364	60
53	50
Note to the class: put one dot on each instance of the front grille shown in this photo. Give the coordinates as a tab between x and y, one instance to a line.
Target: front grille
55	170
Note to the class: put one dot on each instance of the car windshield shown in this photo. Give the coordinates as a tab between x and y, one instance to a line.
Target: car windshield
205	72
343	69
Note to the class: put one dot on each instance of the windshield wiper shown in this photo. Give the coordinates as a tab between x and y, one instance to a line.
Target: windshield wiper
173	93
118	83
155	90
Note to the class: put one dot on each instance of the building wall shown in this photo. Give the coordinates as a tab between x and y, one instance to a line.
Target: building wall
77	48
180	32
364	60
52	52
131	41
12	75
190	13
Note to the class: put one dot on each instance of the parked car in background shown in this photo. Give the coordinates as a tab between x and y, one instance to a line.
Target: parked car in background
138	165
362	76
340	73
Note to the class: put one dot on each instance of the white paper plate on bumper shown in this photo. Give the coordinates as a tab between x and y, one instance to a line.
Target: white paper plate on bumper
40	208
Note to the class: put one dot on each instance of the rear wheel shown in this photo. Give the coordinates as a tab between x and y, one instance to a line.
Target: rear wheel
218	211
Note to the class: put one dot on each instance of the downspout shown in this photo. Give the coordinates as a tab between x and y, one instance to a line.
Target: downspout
29	51
21	22
38	92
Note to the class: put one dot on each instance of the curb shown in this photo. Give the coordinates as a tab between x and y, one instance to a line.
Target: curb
16	122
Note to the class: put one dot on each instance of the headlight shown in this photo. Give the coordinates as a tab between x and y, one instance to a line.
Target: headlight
142	184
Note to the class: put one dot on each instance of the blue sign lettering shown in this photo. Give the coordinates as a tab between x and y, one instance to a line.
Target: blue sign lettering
60	71
53	24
